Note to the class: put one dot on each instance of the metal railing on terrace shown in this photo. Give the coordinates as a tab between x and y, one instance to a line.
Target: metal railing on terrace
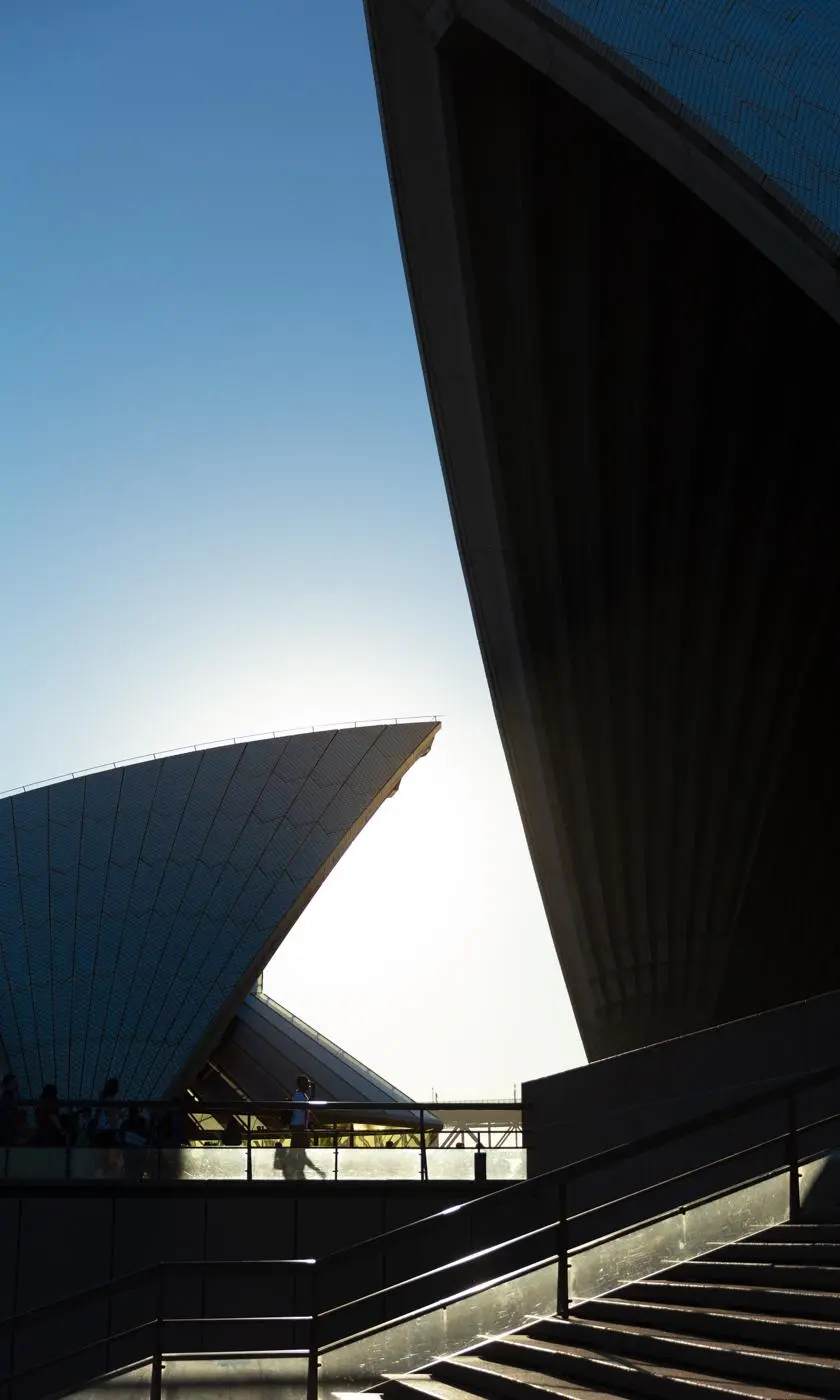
143	1142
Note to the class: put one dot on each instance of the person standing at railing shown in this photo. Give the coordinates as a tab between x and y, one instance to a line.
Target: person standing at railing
48	1129
9	1111
134	1135
170	1137
105	1133
301	1123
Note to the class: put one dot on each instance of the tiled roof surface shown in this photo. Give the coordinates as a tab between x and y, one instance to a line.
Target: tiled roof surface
135	901
760	76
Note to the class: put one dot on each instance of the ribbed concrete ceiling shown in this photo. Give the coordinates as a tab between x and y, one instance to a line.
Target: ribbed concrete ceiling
636	412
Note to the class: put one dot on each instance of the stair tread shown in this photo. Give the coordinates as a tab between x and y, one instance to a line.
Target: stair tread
738	1289
767	1306
425	1384
777	1243
748	1390
770	1258
696	1344
722	1266
730	1314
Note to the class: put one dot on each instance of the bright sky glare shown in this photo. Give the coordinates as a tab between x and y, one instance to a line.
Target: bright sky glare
222	506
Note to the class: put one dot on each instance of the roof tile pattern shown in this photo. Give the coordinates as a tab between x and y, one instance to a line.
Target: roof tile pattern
133	902
758	76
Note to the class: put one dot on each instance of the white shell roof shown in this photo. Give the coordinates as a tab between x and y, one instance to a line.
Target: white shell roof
137	905
266	1047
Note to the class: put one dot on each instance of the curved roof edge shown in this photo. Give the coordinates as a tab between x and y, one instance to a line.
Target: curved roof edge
181	749
606	82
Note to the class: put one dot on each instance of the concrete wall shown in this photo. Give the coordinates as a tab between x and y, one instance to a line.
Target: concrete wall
56	1242
583	1111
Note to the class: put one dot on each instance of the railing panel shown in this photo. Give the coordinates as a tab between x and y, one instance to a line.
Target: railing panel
418	1292
234	1378
34	1163
819	1185
652	1248
455	1164
284	1163
377	1164
414	1342
199	1164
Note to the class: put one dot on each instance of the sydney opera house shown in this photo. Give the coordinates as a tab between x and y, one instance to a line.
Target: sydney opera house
139	905
620	225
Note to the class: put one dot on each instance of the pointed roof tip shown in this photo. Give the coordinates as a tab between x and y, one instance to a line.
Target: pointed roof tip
179	875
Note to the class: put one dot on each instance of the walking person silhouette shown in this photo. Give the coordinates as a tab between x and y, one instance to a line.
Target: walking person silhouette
302	1120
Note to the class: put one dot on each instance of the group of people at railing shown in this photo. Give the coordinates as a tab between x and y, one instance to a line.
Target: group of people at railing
117	1134
123	1134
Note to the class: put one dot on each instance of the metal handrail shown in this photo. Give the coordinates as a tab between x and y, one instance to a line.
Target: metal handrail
607	1157
148	1272
164	1355
218	744
559	1177
159	1273
254	1108
424	1128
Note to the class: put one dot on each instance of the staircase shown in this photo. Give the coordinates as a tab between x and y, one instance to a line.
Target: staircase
756	1319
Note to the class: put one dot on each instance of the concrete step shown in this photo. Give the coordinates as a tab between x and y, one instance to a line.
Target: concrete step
519	1367
793	1334
790	1251
420	1386
820	1278
805	1304
804	1230
767	1365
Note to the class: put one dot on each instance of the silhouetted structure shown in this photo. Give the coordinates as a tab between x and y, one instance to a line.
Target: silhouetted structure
620	229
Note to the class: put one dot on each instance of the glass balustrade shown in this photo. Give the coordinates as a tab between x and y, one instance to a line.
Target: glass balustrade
280	1162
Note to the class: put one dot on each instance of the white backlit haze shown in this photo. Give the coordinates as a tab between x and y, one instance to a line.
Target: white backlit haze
222	506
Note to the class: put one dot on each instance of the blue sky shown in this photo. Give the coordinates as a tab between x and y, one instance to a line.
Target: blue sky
222	505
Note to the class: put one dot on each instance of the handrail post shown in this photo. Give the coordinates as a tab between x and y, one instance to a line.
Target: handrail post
156	1385
794	1200
562	1242
312	1362
424	1161
335	1152
249	1163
